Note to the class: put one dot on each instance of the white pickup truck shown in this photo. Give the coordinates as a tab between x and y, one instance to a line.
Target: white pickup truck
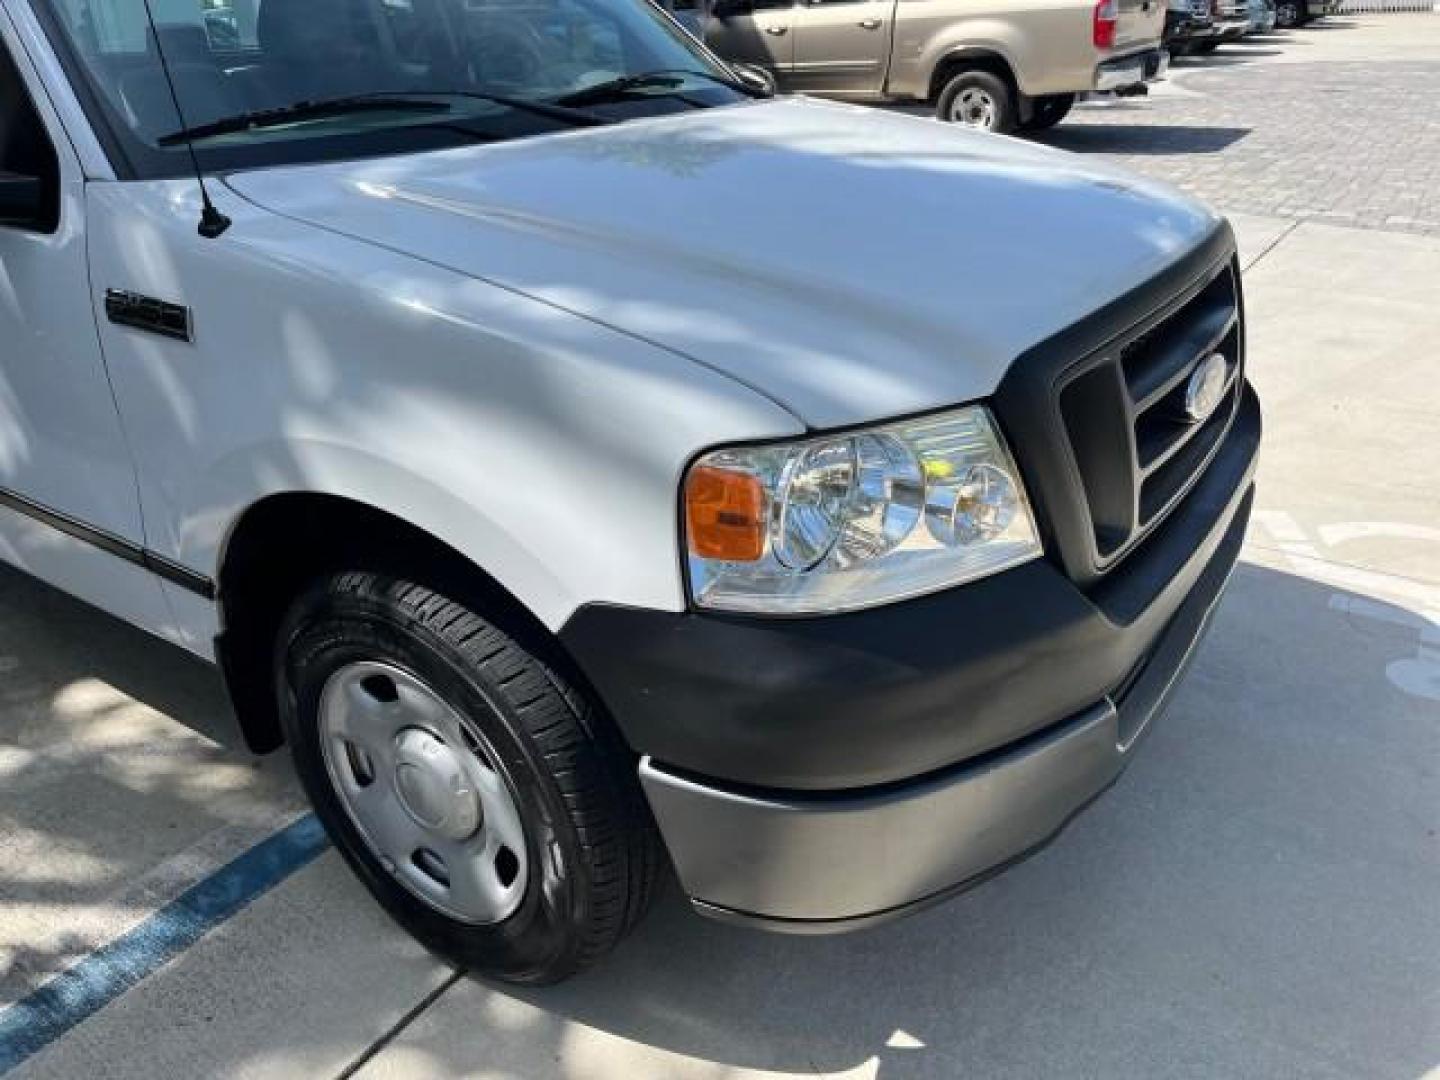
578	460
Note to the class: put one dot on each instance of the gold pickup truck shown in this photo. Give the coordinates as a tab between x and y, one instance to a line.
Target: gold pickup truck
1001	65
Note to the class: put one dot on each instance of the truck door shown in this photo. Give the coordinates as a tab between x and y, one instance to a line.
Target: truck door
69	512
842	46
754	32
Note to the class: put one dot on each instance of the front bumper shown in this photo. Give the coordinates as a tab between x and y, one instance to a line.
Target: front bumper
815	774
1133	70
807	863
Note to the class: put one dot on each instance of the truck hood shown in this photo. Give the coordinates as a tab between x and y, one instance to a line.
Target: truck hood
848	263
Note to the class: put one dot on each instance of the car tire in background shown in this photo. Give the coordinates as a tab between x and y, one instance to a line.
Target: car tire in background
481	798
1288	14
1204	48
1047	111
978	99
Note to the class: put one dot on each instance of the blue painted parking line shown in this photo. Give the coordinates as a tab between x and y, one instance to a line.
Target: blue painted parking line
43	1016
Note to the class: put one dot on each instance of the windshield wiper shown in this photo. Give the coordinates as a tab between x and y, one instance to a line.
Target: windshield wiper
300	110
549	109
618	89
413	100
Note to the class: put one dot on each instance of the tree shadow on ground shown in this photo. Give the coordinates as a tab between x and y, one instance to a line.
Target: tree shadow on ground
1252	898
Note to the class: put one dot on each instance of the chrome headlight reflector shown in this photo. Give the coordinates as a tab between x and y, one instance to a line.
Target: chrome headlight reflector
855	520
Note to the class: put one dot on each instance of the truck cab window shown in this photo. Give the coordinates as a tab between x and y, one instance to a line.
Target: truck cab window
26	150
237	66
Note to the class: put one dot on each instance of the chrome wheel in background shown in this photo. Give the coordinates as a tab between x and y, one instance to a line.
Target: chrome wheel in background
979	99
975	107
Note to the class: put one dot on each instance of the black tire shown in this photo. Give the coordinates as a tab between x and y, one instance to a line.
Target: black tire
570	776
988	85
1205	48
1288	14
1047	111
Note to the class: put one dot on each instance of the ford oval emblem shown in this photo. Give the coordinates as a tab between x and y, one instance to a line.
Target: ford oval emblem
1207	388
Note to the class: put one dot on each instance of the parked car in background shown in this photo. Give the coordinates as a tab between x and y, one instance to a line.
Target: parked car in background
999	65
1232	22
1262	16
1197	33
1292	13
1188	23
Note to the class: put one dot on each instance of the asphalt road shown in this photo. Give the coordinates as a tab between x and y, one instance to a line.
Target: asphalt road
1256	897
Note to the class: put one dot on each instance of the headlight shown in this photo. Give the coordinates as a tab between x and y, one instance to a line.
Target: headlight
850	521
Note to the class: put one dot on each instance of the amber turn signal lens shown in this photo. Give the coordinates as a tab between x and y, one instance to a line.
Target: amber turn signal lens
724	514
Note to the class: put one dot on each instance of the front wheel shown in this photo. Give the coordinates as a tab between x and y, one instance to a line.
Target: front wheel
977	99
477	795
1047	111
1288	14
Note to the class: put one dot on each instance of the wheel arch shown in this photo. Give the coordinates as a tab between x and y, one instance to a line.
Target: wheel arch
971	58
284	542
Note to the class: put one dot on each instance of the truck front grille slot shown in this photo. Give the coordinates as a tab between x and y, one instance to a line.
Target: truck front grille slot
1135	448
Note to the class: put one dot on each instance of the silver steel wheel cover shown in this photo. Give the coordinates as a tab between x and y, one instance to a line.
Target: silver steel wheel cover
974	106
422	788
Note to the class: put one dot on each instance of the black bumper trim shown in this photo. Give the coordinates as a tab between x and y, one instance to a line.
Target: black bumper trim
806	863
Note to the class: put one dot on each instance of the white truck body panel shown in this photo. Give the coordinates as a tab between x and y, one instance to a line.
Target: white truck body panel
851	264
62	445
519	348
525	438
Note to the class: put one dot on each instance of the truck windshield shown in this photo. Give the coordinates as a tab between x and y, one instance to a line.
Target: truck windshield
267	81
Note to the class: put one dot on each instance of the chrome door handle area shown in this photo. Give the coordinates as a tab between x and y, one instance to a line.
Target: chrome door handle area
870	24
777	31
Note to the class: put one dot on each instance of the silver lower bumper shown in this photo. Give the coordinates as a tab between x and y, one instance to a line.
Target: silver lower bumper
1118	74
825	864
1131	71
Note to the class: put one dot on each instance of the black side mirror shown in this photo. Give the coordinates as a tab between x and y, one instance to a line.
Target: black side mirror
755	79
22	199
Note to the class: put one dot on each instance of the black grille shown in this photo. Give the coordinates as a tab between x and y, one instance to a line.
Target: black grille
1135	448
